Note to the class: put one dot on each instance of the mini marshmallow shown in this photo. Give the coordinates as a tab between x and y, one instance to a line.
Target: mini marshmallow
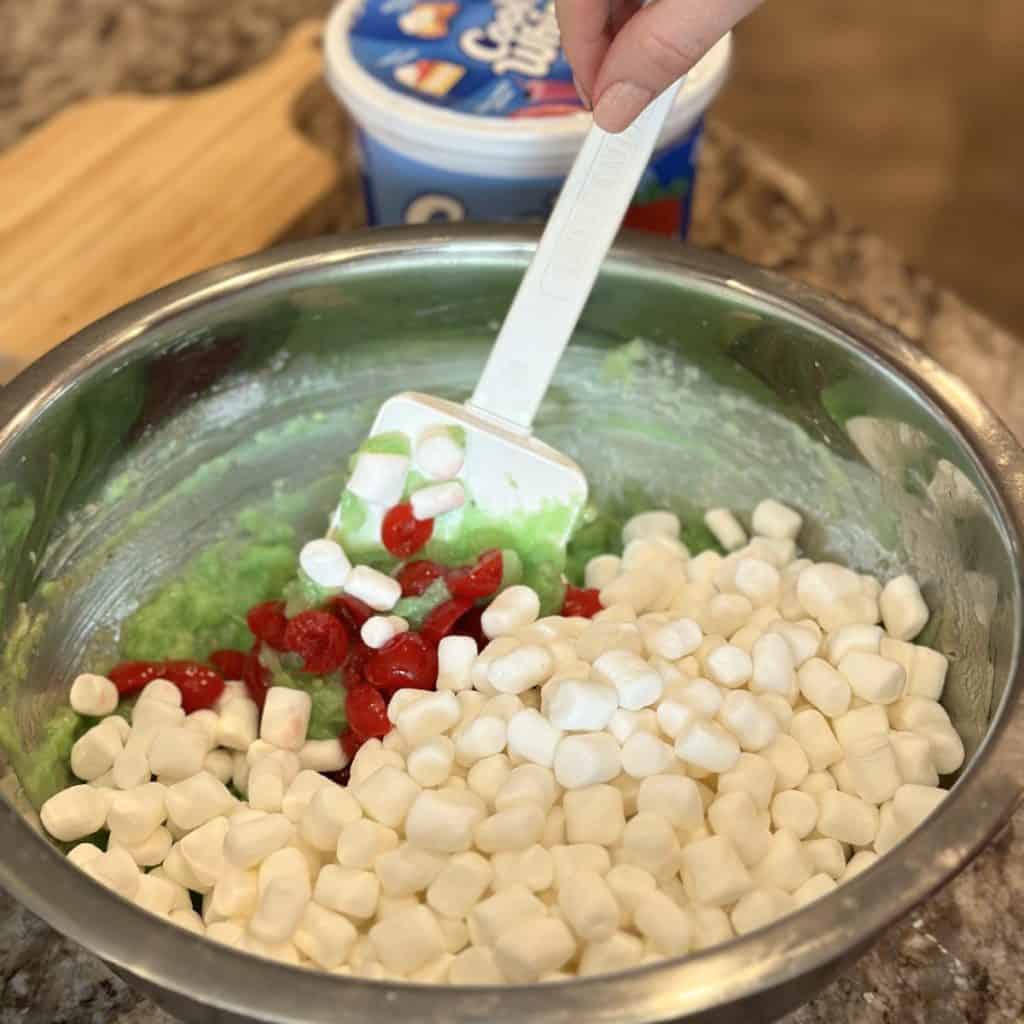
725	528
150	714
437	500
203	851
665	925
373	588
674	797
281	908
238	724
859	724
499	913
700	694
643	754
514	828
649	842
93	695
600	571
904	612
890	830
379	477
533	867
267	785
325	563
813	889
95	752
600	637
157	895
860	861
758	581
349	891
753	774
729	666
759	908
811	730
325	937
407	870
330	809
455	657
647	525
285	718
177	753
378	630
135	813
442	822
874	769
773	519
475	966
514	608
790	762
785	864
74	812
527	783
795	811
748	720
586	759
387	795
803	638
817	783
360	843
162	690
322	756
483	737
575	857
430	764
707	746
116	870
589	906
189	920
914	758
637	684
529	951
772	670
824	687
431	716
726	614
204	721
847	818
235	894
854	638
827	856
675	639
148	853
487	776
912	804
617	953
872	677
522	669
737	817
247	843
440	452
594	815
835	597
576	705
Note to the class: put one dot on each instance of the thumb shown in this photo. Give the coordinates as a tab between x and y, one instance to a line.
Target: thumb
657	45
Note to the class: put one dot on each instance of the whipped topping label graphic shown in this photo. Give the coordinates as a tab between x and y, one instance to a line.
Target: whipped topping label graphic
489	58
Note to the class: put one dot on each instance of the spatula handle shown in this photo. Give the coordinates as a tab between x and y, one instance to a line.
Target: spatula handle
558	281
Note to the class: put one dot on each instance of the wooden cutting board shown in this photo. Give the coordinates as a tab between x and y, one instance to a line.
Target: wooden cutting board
117	196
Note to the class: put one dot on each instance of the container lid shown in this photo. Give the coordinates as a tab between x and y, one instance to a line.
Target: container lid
479	86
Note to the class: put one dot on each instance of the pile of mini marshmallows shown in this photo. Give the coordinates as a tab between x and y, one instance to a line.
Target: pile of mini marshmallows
379	478
729	739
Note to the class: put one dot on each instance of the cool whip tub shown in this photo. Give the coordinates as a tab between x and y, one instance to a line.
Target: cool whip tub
467	111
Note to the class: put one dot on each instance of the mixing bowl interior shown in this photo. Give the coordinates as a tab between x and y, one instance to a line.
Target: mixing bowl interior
231	416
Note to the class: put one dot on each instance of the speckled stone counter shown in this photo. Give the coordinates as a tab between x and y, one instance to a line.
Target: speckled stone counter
957	959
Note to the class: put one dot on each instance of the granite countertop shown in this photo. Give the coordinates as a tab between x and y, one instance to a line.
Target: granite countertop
955	960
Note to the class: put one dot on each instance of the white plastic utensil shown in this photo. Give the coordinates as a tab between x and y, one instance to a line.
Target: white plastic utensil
510	476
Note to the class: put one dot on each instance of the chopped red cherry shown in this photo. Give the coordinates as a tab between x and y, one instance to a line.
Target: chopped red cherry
355	662
268	624
367	712
351	611
230	664
256	677
350	743
416	577
200	686
580	602
319	638
132	676
441	621
402	533
405	661
479	580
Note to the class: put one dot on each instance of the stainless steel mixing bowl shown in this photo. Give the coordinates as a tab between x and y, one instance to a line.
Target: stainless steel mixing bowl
135	444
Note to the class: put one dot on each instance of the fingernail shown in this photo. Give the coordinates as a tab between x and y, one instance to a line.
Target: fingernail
620	105
581	92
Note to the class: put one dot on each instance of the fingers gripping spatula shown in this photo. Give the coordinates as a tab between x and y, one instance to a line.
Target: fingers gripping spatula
476	469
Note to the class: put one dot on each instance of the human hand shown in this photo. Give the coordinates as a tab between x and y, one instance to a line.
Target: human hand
624	53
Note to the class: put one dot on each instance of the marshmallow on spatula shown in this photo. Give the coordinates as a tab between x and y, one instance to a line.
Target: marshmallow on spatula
437	499
440	452
379	477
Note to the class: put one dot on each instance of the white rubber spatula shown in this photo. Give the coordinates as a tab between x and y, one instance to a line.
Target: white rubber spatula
511	480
